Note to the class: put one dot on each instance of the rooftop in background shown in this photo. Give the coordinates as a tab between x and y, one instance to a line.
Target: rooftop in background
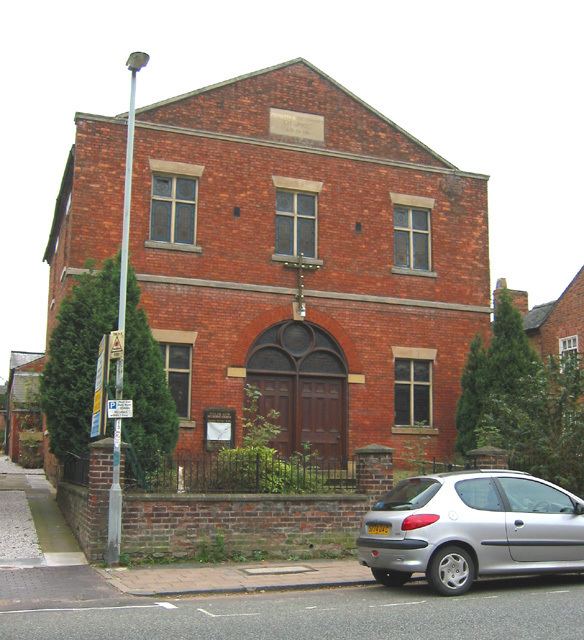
18	358
537	316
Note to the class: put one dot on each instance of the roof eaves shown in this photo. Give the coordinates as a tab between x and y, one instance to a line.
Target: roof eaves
317	71
60	206
379	114
211	87
536	316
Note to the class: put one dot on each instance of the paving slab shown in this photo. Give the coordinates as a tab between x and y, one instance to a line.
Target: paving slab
187	579
39	586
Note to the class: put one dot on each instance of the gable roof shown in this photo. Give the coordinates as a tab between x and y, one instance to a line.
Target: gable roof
20	358
25	388
283	65
535	318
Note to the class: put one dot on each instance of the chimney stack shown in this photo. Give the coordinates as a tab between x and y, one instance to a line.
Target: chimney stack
519	299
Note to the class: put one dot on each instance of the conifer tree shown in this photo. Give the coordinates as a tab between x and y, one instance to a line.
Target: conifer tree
67	387
470	404
512	373
511	360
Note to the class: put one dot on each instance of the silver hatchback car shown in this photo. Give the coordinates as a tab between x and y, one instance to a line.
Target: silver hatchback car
456	526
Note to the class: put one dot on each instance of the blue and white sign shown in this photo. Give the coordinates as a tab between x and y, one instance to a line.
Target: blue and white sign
120	408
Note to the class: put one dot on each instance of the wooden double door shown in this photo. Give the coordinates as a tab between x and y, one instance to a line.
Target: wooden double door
312	410
301	372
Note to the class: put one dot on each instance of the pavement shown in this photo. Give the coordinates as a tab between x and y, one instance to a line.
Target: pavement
188	579
61	561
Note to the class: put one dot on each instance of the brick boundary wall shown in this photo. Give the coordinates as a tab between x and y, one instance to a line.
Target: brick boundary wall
181	526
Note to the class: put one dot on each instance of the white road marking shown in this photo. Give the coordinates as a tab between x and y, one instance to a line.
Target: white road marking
397	604
164	605
467	598
226	615
559	591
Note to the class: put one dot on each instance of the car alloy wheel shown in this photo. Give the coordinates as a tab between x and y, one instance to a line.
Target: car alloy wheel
451	571
390	578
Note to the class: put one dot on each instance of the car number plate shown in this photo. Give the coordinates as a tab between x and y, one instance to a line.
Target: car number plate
379	529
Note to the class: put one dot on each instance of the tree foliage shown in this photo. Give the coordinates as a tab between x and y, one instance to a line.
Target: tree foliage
535	411
470	404
67	387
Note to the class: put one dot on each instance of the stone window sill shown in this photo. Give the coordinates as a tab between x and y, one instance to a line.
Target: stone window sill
400	271
280	258
187	424
415	431
172	246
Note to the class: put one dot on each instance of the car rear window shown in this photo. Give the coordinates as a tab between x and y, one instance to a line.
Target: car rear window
413	493
479	493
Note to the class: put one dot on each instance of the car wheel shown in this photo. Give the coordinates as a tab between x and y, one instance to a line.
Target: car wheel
451	571
390	578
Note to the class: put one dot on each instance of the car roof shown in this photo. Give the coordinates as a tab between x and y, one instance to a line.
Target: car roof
468	472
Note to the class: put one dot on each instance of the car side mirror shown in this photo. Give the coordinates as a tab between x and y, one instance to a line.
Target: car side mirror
579	509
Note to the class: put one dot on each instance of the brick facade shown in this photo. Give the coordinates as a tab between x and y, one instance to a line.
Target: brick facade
565	319
230	289
548	323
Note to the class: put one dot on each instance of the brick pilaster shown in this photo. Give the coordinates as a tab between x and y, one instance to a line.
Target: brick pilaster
374	469
100	482
488	458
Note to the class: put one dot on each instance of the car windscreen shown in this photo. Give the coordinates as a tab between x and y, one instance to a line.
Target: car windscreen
413	493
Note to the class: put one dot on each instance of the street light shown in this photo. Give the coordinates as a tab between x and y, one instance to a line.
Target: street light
136	61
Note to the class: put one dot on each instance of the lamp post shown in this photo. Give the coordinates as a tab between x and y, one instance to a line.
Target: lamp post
136	61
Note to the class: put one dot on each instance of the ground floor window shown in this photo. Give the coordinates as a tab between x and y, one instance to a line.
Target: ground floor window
177	366
413	392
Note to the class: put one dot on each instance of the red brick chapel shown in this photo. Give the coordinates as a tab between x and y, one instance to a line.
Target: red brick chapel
286	234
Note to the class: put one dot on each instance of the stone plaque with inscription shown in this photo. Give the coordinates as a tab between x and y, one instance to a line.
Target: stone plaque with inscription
295	124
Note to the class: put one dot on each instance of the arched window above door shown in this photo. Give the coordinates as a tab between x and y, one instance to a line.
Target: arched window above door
297	347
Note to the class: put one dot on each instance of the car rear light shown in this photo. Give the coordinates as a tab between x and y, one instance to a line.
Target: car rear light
419	521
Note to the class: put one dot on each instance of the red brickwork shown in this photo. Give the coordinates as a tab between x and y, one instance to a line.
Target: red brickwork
239	249
566	319
488	458
184	525
374	469
86	508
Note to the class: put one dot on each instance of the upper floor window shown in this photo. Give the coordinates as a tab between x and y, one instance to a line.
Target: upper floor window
569	346
412	242
177	366
296	220
174	206
413	392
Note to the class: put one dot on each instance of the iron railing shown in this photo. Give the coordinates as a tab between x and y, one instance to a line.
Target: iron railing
76	469
242	472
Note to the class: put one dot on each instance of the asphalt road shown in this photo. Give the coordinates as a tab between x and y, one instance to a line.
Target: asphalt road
522	609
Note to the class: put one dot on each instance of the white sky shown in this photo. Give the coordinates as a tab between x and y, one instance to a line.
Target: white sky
495	87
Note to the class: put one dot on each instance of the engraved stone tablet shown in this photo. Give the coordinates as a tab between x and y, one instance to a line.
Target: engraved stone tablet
294	124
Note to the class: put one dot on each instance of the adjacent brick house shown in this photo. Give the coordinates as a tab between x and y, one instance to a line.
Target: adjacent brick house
557	327
23	412
241	188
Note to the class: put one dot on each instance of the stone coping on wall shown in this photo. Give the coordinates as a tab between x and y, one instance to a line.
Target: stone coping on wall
245	497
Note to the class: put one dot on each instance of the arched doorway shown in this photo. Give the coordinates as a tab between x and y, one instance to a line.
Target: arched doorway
301	372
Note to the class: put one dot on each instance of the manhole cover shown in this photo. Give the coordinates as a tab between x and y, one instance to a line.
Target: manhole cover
275	571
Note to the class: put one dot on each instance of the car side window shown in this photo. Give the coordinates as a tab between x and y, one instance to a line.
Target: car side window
530	496
479	493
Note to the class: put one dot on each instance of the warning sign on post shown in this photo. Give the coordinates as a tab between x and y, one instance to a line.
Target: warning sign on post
116	345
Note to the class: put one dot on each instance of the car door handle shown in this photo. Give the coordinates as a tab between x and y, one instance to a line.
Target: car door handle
518	523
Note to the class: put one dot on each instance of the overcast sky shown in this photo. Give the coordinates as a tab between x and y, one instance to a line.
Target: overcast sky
494	87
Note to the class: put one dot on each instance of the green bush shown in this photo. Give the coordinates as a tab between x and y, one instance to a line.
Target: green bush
31	450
